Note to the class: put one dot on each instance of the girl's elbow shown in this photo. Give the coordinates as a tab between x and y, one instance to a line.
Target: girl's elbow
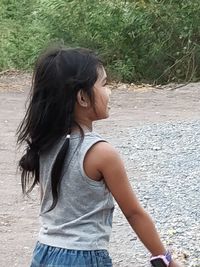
139	212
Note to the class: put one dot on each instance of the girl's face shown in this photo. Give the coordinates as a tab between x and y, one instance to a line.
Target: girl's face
101	96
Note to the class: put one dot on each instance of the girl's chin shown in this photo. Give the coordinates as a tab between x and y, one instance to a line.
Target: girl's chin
104	117
107	115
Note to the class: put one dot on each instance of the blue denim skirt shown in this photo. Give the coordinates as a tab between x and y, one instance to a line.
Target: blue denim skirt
47	256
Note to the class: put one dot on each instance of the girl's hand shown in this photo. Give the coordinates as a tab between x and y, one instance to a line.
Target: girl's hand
175	264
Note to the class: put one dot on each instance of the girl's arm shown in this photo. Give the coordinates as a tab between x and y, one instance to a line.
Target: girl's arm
108	162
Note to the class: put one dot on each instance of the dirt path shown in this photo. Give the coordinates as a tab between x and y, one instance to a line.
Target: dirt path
130	108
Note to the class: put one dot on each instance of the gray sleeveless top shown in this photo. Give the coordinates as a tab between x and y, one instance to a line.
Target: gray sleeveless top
82	218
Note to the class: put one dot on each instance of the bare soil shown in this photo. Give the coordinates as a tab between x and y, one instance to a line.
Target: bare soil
131	106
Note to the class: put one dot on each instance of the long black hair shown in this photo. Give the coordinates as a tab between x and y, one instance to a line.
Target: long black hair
58	76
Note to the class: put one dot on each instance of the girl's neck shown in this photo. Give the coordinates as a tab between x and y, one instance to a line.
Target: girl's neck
85	128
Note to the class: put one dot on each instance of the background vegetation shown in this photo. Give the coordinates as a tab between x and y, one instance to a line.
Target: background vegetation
140	41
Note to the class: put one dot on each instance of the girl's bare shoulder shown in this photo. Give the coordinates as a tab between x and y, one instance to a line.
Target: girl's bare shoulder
103	152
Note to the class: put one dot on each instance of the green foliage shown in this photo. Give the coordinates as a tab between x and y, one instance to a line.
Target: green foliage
22	34
154	41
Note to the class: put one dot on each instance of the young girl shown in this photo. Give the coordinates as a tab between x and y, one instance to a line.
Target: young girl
79	173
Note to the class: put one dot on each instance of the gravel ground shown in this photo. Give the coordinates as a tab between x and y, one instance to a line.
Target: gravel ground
167	156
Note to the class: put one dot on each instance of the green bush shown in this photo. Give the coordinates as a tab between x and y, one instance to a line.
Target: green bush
22	34
148	41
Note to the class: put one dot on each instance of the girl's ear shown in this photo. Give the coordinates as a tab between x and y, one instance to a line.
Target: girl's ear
82	99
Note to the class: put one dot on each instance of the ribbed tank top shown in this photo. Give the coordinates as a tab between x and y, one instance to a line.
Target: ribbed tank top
82	218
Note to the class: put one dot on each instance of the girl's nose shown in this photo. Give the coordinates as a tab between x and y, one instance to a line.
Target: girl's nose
109	91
